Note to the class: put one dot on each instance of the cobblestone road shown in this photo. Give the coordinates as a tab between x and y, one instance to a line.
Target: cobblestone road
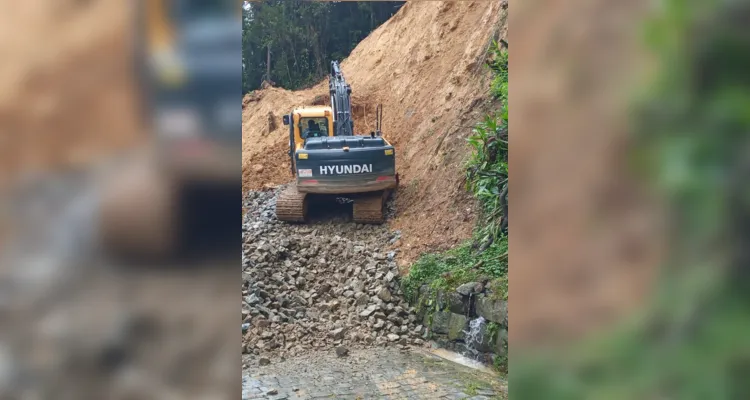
369	374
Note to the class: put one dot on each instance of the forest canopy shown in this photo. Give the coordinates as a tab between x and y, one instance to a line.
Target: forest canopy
302	38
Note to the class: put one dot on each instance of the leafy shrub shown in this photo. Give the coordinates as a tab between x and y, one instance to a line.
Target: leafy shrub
486	257
487	169
457	266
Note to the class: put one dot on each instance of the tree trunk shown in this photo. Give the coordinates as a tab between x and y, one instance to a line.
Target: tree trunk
317	53
268	64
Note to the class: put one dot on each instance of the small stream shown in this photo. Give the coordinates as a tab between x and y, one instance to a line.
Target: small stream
474	336
462	360
467	354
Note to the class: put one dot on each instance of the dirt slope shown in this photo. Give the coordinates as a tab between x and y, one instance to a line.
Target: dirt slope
425	66
588	254
65	92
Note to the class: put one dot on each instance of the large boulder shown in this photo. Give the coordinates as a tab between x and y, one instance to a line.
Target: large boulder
440	322
492	310
454	302
457	327
468	289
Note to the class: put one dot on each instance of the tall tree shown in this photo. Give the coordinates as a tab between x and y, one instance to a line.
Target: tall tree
303	37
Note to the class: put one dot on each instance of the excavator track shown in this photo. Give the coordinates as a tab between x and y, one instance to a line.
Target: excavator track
370	208
291	205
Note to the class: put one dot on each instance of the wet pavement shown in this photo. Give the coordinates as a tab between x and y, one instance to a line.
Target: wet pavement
368	374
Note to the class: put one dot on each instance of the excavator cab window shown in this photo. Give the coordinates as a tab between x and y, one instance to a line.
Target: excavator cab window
313	127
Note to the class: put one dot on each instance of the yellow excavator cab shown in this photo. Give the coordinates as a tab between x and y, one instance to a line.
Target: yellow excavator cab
302	115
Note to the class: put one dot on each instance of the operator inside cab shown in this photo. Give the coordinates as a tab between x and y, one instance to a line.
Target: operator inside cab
313	130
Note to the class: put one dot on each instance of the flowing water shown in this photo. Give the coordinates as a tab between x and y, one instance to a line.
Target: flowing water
462	360
474	336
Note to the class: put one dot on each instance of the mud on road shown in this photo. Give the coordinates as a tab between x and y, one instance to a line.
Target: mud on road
370	374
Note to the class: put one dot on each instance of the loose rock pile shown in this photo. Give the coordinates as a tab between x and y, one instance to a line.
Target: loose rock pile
321	286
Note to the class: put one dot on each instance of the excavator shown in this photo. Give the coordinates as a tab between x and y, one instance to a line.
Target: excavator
178	193
327	158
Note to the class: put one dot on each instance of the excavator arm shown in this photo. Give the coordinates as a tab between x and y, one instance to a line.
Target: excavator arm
340	91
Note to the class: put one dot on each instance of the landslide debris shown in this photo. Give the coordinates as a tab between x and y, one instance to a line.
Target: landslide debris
425	66
332	285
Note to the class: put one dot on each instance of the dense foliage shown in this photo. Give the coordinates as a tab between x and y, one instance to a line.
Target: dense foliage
487	169
485	258
693	144
457	266
303	37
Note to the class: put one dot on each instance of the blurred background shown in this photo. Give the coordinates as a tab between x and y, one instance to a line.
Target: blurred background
630	176
630	150
120	127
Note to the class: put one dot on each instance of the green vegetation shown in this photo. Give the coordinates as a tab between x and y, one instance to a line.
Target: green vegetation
499	65
501	361
487	169
493	329
303	37
457	266
485	257
693	144
472	388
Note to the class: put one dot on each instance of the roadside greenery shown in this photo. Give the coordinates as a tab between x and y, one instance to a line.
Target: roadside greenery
457	266
693	143
484	258
487	169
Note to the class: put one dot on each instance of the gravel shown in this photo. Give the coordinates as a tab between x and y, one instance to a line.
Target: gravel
321	286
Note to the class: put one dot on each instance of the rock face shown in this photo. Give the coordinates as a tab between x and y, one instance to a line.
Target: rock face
454	302
440	322
330	285
457	327
501	337
470	320
491	309
468	289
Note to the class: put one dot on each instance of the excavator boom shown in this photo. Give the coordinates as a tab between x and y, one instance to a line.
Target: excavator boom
340	101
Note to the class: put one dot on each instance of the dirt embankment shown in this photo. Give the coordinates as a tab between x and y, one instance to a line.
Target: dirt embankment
425	66
585	248
65	84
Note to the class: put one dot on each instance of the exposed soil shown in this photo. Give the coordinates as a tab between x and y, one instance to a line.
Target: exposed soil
587	240
425	65
65	85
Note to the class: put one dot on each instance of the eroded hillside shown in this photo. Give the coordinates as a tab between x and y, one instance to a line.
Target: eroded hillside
425	65
65	85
